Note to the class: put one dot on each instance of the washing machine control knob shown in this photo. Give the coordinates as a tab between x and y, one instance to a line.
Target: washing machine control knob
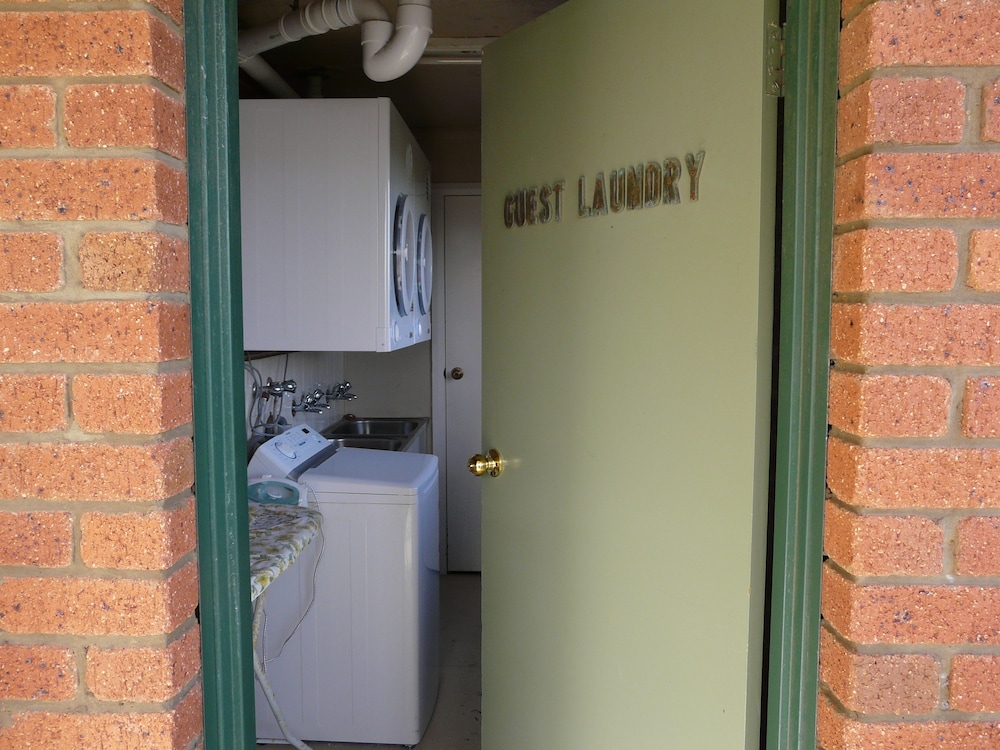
285	450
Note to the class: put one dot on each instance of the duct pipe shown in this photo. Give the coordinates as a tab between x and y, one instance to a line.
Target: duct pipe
387	52
258	69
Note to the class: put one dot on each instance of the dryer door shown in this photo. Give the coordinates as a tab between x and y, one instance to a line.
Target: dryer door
425	264
404	253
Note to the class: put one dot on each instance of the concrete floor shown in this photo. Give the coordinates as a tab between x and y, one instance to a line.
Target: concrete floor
455	723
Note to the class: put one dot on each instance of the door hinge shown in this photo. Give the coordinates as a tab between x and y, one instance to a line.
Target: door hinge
775	81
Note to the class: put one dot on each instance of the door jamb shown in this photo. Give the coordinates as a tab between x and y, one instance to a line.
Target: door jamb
216	303
217	369
811	43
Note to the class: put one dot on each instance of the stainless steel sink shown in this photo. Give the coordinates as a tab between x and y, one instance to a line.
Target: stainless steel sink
378	443
381	433
374	426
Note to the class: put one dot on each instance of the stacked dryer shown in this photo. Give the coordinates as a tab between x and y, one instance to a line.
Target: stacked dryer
337	249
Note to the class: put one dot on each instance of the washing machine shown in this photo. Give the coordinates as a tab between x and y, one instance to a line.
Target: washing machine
335	226
363	664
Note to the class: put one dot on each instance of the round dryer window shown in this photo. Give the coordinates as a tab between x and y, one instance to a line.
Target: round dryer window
404	253
425	264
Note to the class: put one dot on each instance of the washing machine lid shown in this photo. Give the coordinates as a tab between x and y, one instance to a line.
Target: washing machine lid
364	471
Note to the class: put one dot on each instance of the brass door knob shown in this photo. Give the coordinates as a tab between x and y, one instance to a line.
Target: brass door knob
457	373
491	463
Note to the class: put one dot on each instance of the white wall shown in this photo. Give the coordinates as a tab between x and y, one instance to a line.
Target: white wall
388	384
309	370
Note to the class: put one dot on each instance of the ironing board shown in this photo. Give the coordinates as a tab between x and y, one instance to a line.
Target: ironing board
278	534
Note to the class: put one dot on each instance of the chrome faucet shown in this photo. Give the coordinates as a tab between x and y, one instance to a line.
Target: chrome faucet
310	403
340	392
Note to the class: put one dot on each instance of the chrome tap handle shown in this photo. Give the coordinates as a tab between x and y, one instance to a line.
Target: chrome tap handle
340	392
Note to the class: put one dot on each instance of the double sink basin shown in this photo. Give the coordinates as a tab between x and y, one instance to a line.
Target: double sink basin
380	433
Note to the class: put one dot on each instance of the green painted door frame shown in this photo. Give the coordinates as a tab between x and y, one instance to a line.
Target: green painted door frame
800	452
217	350
810	119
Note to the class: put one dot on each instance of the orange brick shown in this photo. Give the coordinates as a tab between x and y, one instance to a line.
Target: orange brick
125	189
981	407
30	261
839	732
98	606
889	405
46	673
135	262
172	8
109	43
890	478
848	6
920	33
876	334
32	403
984	260
895	260
144	404
36	538
974	684
907	614
991	112
883	545
175	729
909	185
879	683
144	674
901	110
121	331
27	114
94	471
977	551
129	115
138	541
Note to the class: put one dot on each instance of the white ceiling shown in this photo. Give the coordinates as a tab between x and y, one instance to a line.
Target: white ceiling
430	95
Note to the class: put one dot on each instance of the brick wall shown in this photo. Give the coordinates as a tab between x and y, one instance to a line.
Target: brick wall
99	646
910	647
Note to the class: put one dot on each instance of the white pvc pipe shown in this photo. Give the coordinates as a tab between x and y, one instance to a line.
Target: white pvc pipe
258	69
387	52
386	58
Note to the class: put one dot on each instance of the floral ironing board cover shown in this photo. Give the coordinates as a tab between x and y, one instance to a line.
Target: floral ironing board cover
278	533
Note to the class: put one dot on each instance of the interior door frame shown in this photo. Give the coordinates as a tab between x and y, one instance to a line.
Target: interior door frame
439	356
811	40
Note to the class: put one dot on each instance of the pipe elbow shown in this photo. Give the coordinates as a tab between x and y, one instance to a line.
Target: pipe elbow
387	55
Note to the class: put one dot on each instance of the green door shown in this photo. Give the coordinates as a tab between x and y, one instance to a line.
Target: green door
628	226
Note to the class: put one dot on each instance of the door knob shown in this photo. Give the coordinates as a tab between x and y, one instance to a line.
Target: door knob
492	462
457	373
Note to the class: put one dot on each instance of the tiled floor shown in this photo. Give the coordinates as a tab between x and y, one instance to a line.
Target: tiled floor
456	721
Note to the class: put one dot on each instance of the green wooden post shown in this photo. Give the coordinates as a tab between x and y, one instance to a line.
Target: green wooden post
811	41
217	328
